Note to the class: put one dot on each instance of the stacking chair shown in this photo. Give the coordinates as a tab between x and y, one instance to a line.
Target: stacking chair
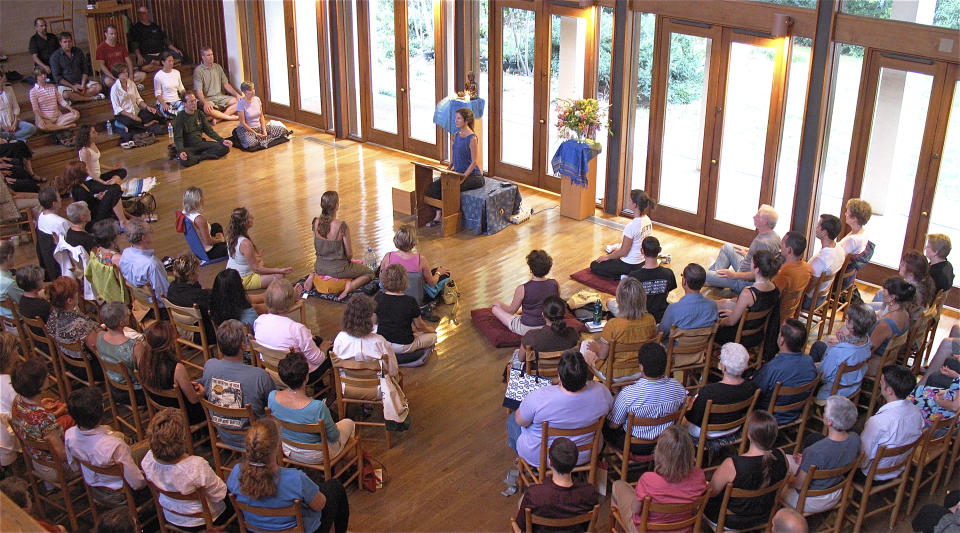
688	352
621	360
624	455
142	302
894	347
66	498
846	474
742	331
293	510
196	433
223	464
808	393
819	313
133	420
529	475
622	521
196	496
864	497
15	326
933	450
357	382
747	406
333	466
189	323
562	524
838	382
142	514
42	346
731	492
80	370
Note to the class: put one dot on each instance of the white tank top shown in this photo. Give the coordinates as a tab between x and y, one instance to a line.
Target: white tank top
191	217
238	262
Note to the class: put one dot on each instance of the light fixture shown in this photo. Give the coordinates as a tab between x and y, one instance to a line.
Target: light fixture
781	25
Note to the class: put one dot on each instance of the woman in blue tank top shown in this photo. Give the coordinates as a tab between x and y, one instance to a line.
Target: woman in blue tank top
465	159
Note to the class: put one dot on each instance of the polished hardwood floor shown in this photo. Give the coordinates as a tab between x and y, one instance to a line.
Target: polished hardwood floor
445	472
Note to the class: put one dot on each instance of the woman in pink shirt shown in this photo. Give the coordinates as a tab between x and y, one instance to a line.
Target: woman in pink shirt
46	102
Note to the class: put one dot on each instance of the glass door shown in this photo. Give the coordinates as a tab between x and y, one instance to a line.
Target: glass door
278	69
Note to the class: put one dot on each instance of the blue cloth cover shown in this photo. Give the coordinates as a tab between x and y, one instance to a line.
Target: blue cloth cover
488	210
572	159
443	115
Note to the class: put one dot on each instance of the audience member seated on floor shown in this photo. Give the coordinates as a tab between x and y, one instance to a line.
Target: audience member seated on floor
254	128
657	280
556	335
852	347
398	314
830	257
18	490
856	215
129	108
528	298
170	466
795	273
103	200
936	251
210	235
42	45
790	367
32	416
894	317
185	291
115	346
228	382
896	423
692	310
559	496
733	266
66	325
295	406
9	357
932	518
11	127
280	332
229	300
210	82
244	257
16	167
101	265
760	296
675	479
99	445
405	239
8	282
761	466
47	103
168	87
147	41
788	520
189	126
838	449
32	303
653	395
357	341
90	155
632	324
259	480
78	213
160	369
629	255
464	159
331	241
732	388
576	402
111	53
138	263
70	69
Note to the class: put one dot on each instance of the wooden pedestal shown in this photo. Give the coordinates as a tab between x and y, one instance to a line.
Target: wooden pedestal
449	204
578	202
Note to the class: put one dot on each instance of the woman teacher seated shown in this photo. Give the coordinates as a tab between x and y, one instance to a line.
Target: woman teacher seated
465	159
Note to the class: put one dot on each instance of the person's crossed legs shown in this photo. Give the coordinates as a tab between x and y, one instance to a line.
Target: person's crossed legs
730	258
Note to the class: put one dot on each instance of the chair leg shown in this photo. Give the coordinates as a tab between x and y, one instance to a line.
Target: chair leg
915	487
898	502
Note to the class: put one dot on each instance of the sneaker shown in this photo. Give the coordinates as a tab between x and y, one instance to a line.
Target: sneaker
128	145
99	96
140	87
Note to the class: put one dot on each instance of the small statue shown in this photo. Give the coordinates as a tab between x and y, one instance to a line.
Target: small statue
471	86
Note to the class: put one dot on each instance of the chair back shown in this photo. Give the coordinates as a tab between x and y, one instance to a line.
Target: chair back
14	325
189	323
196	245
747	406
72	506
838	381
634	421
214	411
762	319
127	388
173	395
731	492
689	351
594	430
589	518
548	363
899	457
293	510
195	497
895	346
915	348
352	376
415	286
268	359
938	302
141	302
316	429
693	510
844	474
79	369
621	361
41	345
790	303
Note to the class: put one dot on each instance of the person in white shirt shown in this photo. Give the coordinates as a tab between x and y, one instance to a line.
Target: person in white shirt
829	258
856	215
628	256
357	341
168	86
99	445
11	127
9	357
51	227
129	108
897	423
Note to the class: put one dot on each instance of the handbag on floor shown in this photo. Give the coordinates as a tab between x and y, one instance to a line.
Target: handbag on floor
395	405
520	384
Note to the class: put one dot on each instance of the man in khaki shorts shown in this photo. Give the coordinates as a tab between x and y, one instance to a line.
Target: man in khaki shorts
210	82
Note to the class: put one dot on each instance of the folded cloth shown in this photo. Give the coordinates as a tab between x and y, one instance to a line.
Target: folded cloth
572	159
136	186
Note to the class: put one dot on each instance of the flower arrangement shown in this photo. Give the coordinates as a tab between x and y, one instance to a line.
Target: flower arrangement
579	119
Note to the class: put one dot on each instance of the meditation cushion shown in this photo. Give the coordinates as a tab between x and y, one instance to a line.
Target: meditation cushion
594	281
328	285
500	336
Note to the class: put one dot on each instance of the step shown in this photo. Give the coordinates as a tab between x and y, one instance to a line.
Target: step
49	160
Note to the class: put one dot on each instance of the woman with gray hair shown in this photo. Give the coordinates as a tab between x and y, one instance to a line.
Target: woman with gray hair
840	448
254	128
78	213
852	347
734	359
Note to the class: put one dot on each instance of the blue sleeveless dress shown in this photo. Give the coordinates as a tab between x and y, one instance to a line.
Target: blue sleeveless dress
461	158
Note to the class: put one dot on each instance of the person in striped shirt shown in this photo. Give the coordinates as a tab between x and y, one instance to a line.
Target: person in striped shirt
652	396
47	102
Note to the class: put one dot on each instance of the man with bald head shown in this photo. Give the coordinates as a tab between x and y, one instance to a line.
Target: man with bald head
788	520
733	267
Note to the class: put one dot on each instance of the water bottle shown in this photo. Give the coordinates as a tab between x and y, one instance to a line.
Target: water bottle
109	128
597	313
370	259
169	130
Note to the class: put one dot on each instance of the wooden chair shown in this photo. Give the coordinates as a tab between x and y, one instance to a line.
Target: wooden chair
529	475
845	473
747	406
333	466
933	450
15	325
19	228
913	352
133	420
42	346
695	508
293	510
817	411
841	293
531	520
142	302
196	433
547	363
189	323
197	497
954	453
79	371
894	347
688	352
819	313
808	393
357	382
731	492
621	360
938	302
871	491
790	303
222	466
624	455
142	514
742	331
66	498
268	360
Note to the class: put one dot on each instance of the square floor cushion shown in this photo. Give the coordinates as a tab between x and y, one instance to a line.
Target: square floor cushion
500	336
594	281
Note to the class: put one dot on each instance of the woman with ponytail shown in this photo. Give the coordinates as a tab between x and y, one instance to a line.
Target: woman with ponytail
628	256
258	480
244	256
762	295
331	240
893	318
557	335
761	466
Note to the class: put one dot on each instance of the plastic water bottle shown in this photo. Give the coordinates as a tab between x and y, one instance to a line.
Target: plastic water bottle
370	259
597	313
109	128
169	130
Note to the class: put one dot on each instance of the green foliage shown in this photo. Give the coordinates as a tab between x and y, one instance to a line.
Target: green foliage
947	14
519	30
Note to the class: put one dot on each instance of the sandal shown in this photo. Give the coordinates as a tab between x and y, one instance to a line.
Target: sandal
433	223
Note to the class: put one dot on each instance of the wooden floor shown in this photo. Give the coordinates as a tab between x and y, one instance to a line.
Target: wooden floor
446	471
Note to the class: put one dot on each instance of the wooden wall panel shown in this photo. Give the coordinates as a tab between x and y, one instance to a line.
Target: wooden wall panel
190	24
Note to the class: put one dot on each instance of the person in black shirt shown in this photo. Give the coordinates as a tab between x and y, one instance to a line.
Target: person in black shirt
937	249
185	291
78	213
146	41
42	45
30	281
16	166
398	315
70	69
559	496
657	280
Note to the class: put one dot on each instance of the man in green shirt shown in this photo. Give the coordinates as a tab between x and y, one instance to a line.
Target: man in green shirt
211	83
188	130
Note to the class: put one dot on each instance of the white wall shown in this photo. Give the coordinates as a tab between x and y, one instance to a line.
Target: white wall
16	22
233	63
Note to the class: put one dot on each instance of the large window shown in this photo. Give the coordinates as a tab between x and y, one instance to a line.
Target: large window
942	13
786	183
604	77
645	27
946	199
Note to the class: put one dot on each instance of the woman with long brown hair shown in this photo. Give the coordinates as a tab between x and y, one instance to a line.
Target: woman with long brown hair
102	199
331	240
260	481
464	159
245	258
160	369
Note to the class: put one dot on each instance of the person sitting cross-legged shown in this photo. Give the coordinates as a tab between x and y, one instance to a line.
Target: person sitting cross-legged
732	268
790	367
528	298
628	255
398	315
559	496
657	280
188	130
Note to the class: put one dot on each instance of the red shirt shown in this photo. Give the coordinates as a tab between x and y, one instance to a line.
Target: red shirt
111	55
662	491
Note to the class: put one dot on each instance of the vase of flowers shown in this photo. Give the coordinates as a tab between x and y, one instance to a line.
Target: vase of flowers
580	120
